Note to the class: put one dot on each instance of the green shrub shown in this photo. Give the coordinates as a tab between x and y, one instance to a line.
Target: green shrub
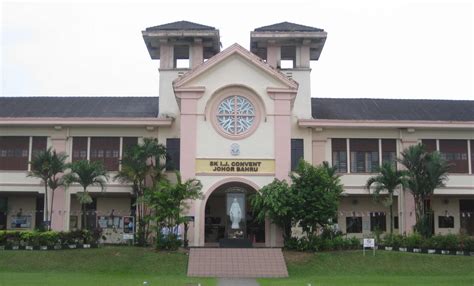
414	241
354	243
3	238
48	238
168	242
468	244
394	240
449	242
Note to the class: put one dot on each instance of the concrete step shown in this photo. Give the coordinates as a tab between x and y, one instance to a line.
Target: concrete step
236	262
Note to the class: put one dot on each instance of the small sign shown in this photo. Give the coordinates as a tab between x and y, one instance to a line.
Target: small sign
369	242
127	236
235	149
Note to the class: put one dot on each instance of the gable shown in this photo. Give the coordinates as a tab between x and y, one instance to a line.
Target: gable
231	54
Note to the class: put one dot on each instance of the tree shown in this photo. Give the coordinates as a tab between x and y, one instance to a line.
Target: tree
388	180
141	168
318	190
169	201
86	174
278	202
426	171
48	166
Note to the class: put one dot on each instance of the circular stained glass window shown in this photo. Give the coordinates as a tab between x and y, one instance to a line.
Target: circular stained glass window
235	115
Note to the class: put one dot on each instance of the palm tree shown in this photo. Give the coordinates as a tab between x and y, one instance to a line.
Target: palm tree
87	174
388	180
141	167
170	201
49	166
425	172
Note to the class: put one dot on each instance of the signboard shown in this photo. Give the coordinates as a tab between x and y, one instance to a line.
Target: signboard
127	236
369	242
235	166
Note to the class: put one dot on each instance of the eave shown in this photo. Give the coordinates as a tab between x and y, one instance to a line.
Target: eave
334	123
89	121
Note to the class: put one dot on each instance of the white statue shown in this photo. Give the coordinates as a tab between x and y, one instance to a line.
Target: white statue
235	214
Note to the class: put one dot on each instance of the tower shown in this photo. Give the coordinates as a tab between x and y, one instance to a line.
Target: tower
179	46
290	47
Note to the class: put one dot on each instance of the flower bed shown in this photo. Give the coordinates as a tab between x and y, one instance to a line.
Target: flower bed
438	244
48	240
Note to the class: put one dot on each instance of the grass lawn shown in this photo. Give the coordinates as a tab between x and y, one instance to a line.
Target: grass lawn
131	266
386	268
114	266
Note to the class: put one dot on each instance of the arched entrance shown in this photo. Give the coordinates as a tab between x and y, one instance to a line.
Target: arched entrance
228	217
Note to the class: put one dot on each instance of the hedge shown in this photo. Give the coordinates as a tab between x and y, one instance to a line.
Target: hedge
48	238
450	242
320	243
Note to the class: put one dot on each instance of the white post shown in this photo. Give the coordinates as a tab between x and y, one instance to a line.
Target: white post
348	141
30	149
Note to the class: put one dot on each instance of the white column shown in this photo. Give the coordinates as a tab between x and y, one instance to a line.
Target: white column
30	149
380	152
469	154
437	145
88	148
348	141
120	153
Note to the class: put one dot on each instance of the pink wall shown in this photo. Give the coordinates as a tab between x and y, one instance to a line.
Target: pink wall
409	216
282	129
60	209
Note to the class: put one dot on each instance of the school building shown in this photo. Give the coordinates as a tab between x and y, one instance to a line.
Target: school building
235	119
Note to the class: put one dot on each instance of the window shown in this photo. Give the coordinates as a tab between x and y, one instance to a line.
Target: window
378	221
181	56
79	148
235	115
39	145
354	224
172	154
389	151
455	152
395	222
14	153
297	152
445	221
430	144
106	150
364	155
128	142
339	155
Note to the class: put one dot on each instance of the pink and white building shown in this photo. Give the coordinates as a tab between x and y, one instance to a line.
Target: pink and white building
235	119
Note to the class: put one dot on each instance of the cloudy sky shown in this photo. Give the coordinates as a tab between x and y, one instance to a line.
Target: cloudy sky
381	49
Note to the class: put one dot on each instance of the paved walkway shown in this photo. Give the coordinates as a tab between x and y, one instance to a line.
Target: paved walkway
236	282
236	263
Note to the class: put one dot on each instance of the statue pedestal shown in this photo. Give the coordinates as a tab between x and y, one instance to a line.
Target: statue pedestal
235	243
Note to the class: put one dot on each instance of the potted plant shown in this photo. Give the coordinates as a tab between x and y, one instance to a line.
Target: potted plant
13	240
427	245
3	239
414	242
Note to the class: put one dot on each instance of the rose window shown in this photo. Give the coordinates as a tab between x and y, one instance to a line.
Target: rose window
235	115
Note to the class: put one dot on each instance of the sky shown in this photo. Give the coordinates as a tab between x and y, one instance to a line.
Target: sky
374	49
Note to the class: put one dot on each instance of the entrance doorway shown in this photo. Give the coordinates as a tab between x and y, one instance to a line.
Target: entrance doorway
228	216
466	211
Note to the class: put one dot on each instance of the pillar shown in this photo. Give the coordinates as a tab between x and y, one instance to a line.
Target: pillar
188	98
61	206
